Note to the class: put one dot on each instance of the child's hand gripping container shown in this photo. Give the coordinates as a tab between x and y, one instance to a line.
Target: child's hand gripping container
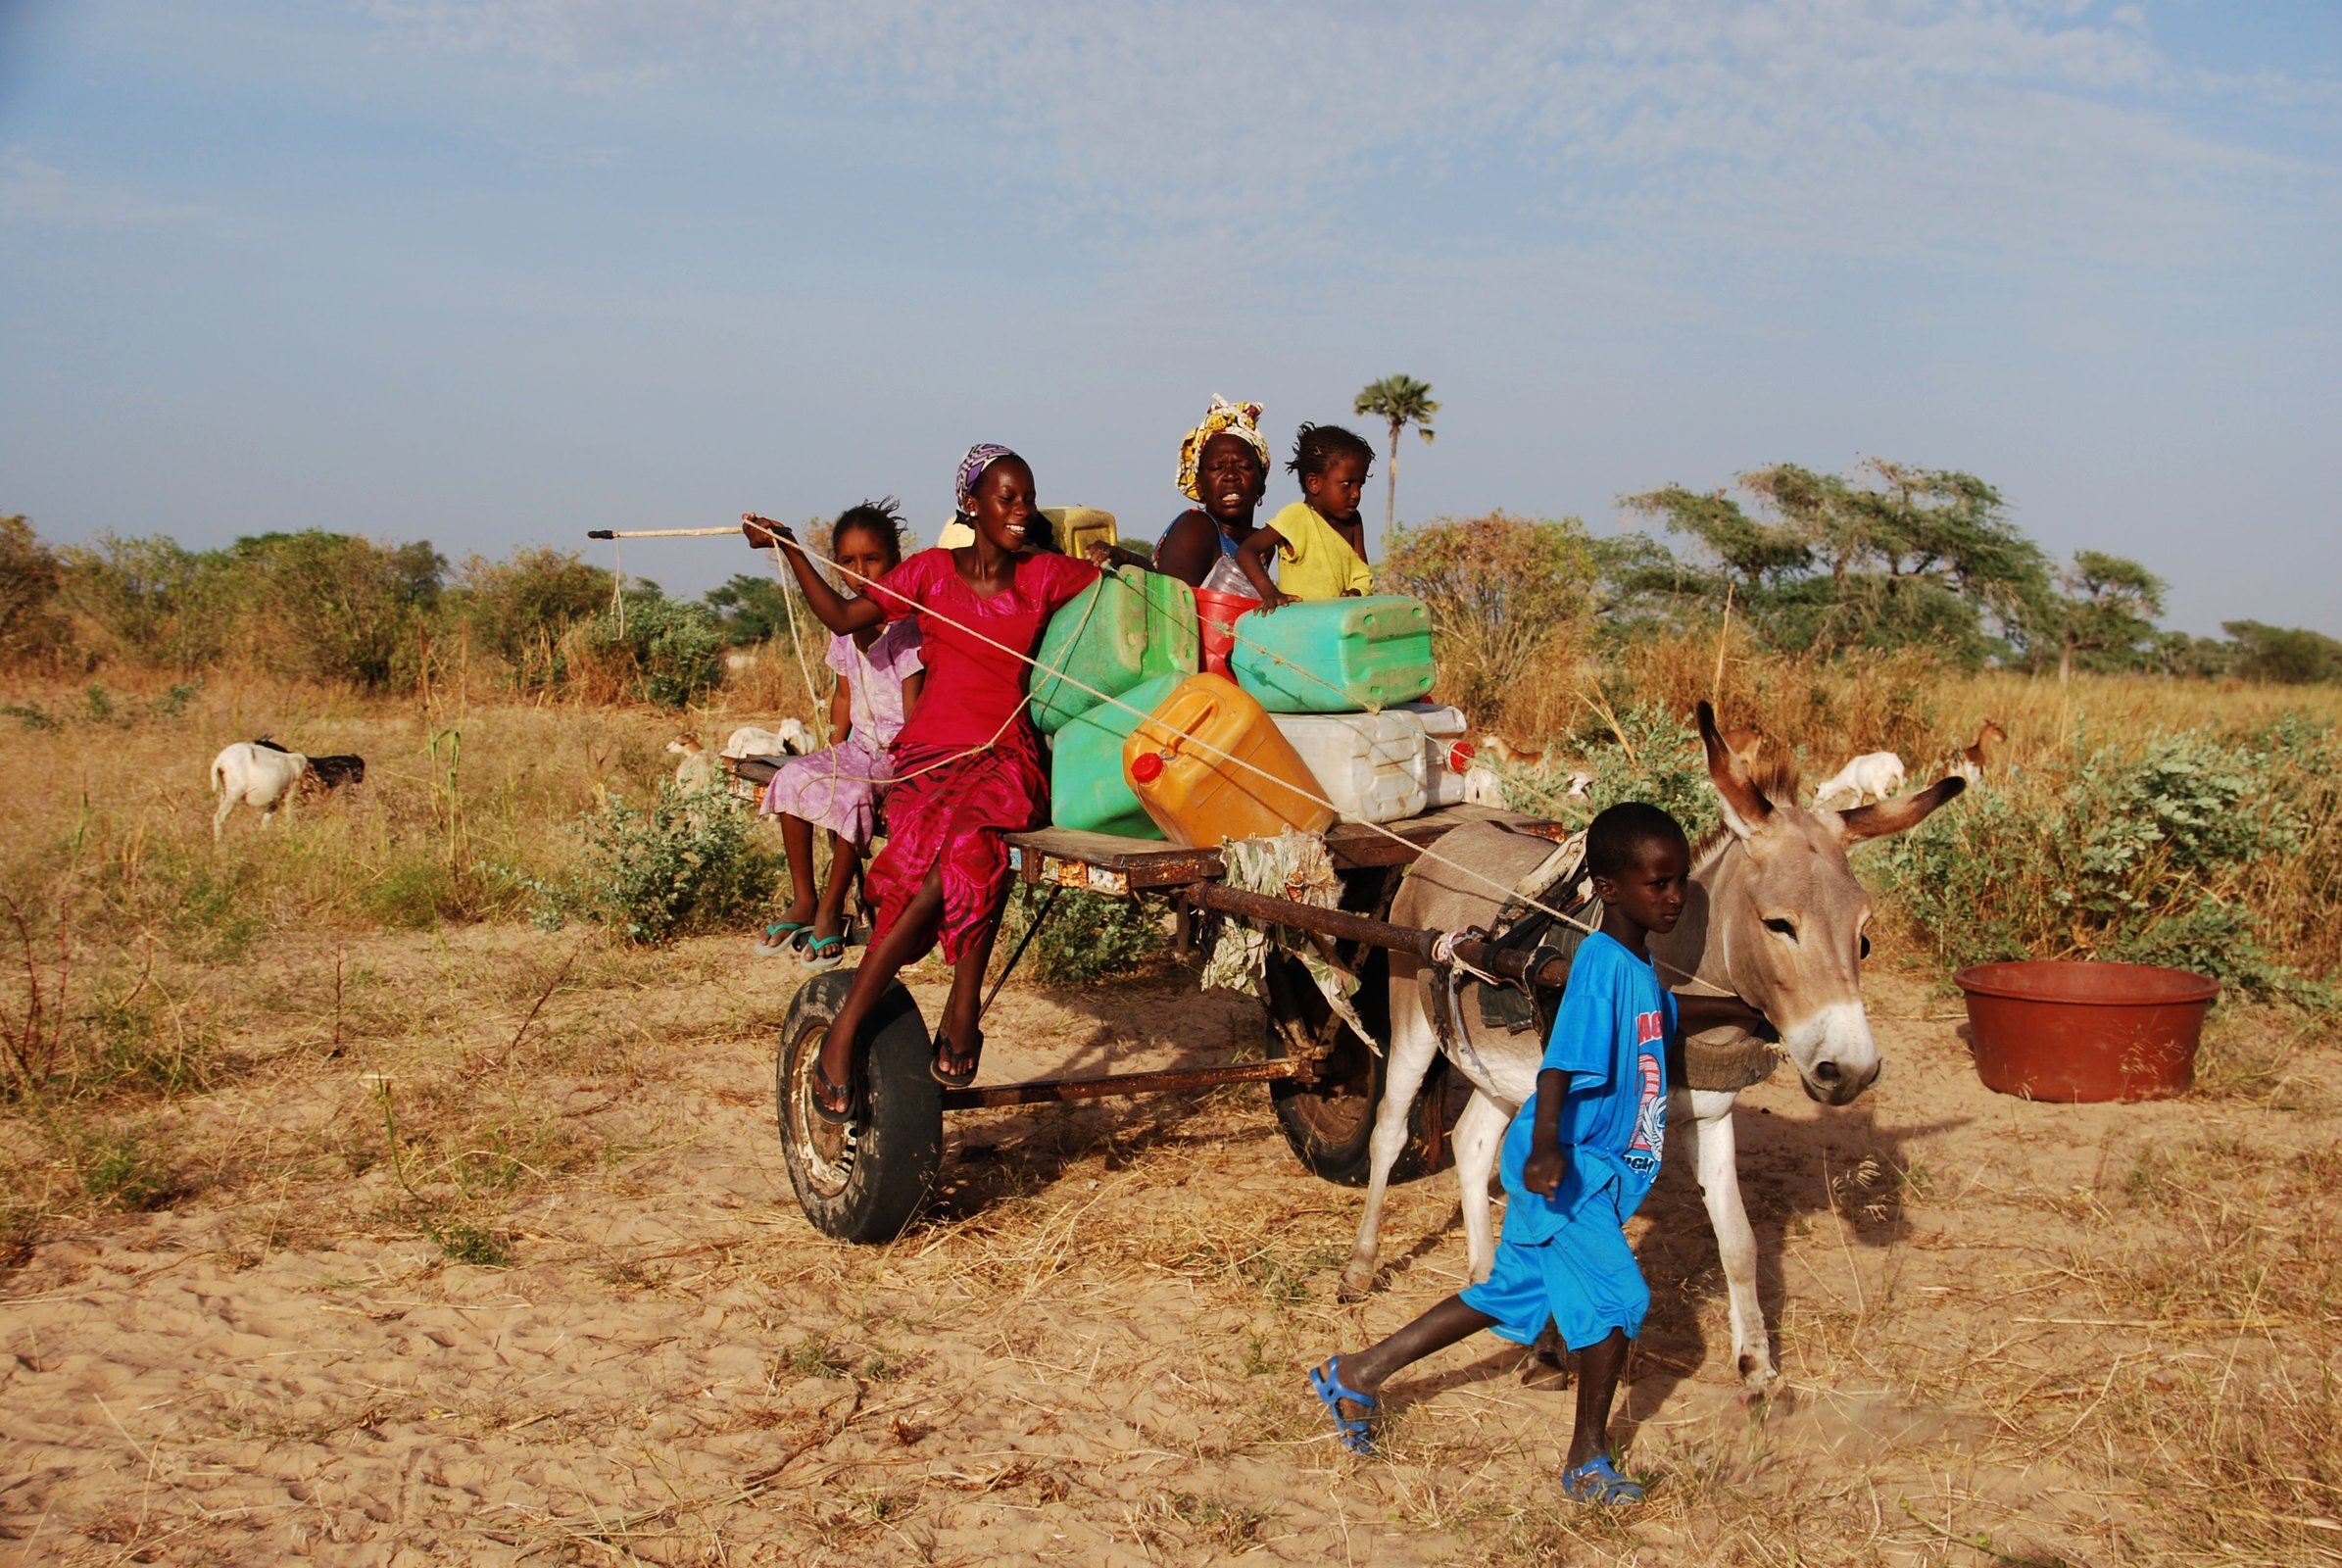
1086	786
1336	655
1380	767
1178	765
1126	627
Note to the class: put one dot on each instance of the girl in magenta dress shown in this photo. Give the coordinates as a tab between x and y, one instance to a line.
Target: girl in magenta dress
967	767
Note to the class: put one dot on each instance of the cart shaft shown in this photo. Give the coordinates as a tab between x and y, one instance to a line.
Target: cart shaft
1505	963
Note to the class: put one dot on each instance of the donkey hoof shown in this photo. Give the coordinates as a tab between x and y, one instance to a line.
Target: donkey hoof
1354	1285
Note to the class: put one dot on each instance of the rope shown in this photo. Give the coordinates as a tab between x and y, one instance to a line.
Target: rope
1420	852
789	607
837	773
1274	656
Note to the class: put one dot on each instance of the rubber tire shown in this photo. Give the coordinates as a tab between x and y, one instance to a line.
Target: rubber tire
897	1146
1336	1146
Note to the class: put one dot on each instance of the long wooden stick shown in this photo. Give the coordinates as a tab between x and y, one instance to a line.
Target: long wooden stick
659	533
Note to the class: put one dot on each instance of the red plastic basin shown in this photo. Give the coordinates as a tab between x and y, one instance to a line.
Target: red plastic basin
1217	613
2077	1031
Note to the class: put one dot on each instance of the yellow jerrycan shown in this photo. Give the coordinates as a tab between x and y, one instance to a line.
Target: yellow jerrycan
1175	764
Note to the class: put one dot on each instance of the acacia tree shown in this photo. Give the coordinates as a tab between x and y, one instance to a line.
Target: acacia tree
1400	401
1890	556
2109	612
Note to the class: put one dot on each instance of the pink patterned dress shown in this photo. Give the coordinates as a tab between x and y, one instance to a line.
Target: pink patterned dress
839	789
968	762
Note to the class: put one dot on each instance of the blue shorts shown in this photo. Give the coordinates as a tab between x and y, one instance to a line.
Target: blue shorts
1584	1280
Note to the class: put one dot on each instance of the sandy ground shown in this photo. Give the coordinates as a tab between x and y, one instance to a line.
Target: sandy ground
1093	1351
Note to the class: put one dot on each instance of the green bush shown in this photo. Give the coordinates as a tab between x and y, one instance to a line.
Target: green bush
310	602
687	862
414	895
30	573
675	648
517	609
1651	755
2151	856
1089	936
1505	594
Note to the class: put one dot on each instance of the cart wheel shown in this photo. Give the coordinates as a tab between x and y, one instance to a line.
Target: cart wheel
865	1181
1330	1123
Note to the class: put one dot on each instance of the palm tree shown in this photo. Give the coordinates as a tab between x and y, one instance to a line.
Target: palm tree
1403	401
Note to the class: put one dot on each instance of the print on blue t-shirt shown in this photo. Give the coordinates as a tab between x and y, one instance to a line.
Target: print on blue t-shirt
1611	1038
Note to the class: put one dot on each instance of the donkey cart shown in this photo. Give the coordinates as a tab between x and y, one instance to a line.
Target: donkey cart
865	1181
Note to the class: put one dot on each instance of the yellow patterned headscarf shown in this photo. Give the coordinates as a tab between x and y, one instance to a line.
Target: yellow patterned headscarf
1241	420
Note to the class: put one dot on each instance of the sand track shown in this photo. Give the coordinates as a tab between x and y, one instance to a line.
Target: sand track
1093	1352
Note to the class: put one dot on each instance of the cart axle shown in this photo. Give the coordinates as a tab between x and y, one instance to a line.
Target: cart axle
1050	1091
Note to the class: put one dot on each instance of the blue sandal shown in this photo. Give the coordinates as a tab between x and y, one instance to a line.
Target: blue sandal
819	955
778	938
1597	1480
1357	1431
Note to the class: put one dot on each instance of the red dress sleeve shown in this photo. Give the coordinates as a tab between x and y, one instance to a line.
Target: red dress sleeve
1052	579
900	592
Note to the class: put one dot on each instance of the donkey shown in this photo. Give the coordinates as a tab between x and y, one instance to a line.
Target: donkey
1774	915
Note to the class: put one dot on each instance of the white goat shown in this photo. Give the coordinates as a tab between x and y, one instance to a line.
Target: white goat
1484	786
697	769
1874	773
256	775
788	738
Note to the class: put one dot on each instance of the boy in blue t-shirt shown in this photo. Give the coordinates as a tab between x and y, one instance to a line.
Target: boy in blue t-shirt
1576	1160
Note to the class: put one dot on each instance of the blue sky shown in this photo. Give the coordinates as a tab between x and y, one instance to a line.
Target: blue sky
497	272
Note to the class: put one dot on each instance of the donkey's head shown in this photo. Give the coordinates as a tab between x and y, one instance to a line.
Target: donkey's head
1784	918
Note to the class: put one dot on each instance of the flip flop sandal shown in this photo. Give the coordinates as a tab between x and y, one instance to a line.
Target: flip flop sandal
819	955
825	1091
958	1080
1597	1480
1357	1431
778	938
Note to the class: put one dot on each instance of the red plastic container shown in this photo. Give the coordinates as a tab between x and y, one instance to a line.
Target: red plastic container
1218	611
2074	1031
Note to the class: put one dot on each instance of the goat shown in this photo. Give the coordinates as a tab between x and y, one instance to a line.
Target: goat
1482	787
1511	755
697	769
1971	760
326	773
1748	745
258	774
1538	762
788	738
1874	773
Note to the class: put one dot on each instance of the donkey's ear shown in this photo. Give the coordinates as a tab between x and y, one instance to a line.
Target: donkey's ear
1893	816
1745	809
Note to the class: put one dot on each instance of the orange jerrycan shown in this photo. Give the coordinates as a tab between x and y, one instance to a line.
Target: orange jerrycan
1179	764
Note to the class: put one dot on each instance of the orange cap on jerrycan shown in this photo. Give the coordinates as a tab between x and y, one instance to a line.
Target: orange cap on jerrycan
1178	764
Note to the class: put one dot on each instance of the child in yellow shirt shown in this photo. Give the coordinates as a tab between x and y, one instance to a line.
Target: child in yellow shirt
1319	540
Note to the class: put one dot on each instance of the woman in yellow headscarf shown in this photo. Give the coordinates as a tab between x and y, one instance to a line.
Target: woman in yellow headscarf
1224	469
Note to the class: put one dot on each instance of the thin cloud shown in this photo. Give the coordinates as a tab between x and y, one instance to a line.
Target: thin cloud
36	194
1801	123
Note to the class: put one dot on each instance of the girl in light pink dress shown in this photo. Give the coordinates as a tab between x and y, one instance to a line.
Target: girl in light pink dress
879	676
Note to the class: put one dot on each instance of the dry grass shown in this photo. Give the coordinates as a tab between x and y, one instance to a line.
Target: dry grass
1828	710
2011	1333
